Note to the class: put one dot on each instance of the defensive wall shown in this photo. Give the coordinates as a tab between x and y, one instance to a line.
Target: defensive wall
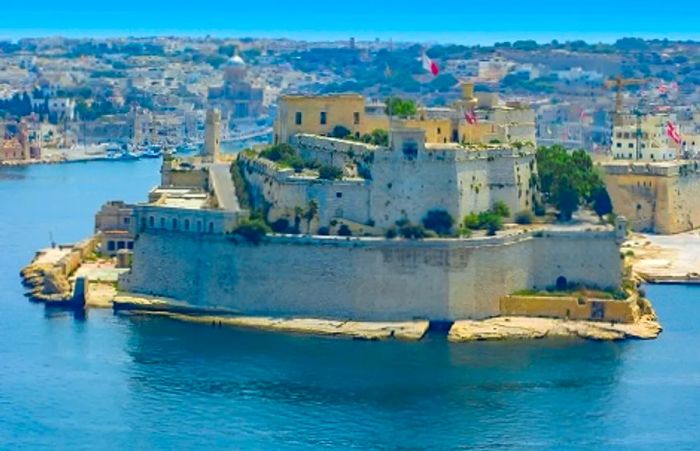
404	181
655	197
366	278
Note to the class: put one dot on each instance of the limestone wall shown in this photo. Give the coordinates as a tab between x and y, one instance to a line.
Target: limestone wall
662	198
369	279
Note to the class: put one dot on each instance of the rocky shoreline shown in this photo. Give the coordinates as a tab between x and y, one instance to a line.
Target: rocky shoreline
492	329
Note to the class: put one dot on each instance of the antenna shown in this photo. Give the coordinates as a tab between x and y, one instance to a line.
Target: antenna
53	243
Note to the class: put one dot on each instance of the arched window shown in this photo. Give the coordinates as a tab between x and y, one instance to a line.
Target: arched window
174	223
211	227
187	224
151	221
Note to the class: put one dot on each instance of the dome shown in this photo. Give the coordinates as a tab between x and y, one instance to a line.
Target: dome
235	60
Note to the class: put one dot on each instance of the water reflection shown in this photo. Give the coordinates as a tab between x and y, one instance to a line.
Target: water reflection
409	394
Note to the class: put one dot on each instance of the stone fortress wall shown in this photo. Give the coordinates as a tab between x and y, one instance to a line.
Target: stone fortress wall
401	183
366	278
655	197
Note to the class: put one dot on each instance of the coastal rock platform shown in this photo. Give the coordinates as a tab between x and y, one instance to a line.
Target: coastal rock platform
517	327
498	328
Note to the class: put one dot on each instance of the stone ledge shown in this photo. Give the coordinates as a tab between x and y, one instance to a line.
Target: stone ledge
515	327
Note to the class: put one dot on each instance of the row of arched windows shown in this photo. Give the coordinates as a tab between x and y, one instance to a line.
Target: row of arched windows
176	224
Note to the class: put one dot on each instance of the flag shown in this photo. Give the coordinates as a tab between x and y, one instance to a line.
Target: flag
470	117
430	65
673	133
663	88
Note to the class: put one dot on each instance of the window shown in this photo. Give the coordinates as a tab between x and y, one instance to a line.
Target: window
121	245
324	118
630	145
356	118
199	225
130	245
439	132
127	220
143	223
339	195
162	223
151	221
297	118
110	245
211	227
187	224
174	224
619	145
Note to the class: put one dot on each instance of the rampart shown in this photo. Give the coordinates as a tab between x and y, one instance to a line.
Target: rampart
656	197
366	278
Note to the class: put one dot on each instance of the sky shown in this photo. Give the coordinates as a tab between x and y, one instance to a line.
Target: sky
447	21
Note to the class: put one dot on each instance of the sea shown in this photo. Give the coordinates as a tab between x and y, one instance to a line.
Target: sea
96	380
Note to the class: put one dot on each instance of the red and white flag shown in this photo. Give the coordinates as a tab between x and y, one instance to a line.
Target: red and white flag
673	133
470	117
430	65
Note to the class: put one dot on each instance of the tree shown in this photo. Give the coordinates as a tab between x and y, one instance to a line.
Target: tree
601	202
340	132
566	198
380	137
310	213
439	221
567	180
396	106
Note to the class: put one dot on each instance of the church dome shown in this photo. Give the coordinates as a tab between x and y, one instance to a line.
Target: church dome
235	60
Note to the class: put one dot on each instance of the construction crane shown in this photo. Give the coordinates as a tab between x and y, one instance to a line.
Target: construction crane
619	83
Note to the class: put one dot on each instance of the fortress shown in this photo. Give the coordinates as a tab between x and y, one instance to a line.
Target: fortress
189	245
400	182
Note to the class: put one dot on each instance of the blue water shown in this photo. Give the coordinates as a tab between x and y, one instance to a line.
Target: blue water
113	382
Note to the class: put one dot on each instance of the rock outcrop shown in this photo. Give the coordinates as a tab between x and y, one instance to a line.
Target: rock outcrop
516	327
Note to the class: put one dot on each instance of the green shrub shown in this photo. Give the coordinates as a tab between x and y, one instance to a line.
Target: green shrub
280	226
486	220
539	209
344	230
392	233
524	217
439	221
330	173
471	221
252	230
501	209
412	231
325	231
278	152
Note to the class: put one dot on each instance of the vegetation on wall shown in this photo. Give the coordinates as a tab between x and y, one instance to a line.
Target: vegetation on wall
252	230
241	185
327	172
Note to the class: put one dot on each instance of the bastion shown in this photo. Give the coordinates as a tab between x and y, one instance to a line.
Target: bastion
372	279
655	197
